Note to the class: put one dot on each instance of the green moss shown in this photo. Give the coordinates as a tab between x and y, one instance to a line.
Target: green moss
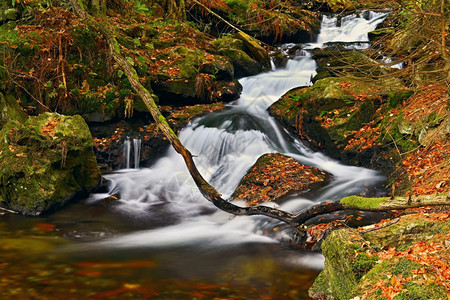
321	288
339	265
405	266
363	263
420	291
396	98
45	161
164	121
357	202
397	130
10	110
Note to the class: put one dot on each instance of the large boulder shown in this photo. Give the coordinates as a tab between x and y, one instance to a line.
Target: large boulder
194	77
406	258
336	59
109	138
326	114
246	62
45	162
275	176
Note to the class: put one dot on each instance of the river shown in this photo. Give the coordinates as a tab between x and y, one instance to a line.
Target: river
161	238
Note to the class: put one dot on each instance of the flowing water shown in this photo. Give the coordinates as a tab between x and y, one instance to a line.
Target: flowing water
153	234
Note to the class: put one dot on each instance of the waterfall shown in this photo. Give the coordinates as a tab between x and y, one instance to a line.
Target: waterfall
126	156
126	152
353	28
225	144
137	152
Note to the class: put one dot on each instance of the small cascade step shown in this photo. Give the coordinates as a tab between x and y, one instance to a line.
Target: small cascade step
126	157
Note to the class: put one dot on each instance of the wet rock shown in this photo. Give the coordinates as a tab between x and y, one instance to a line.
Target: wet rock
275	176
335	59
221	70
279	59
45	162
109	137
255	49
325	115
194	77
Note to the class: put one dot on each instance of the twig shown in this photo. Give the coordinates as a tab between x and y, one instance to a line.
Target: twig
382	226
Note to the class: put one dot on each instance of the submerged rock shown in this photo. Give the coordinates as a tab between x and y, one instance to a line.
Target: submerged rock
275	176
45	162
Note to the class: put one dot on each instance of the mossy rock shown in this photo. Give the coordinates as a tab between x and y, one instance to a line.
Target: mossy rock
243	64
10	110
229	42
293	117
254	48
342	269
239	55
380	33
9	14
336	59
275	176
330	98
325	114
45	162
198	78
353	266
220	69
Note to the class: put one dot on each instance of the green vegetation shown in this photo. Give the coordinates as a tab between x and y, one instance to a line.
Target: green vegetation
362	202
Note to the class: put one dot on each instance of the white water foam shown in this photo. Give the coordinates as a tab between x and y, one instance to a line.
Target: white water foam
354	28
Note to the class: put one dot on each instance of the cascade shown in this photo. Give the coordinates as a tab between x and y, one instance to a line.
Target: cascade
126	156
225	144
137	152
126	153
353	28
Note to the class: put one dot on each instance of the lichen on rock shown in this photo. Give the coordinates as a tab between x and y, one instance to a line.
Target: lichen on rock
45	162
397	260
275	176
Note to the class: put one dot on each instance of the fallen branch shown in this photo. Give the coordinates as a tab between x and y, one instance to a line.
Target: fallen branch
208	191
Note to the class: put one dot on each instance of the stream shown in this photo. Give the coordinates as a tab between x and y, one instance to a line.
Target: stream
161	239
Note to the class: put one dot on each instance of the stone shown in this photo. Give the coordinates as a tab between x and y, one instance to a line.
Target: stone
275	176
239	55
352	265
256	50
45	162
